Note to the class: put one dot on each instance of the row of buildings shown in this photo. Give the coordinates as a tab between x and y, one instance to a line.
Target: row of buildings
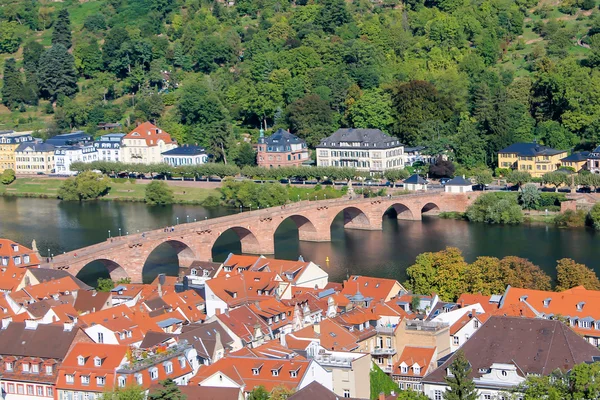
222	329
146	144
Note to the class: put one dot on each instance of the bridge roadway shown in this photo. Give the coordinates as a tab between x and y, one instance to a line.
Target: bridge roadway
125	256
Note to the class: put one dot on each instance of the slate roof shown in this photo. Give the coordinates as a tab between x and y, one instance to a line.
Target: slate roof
531	150
185	151
314	391
16	340
69	138
535	346
205	392
458	181
415	179
577	156
92	301
47	274
369	138
280	139
33	146
204	337
153	338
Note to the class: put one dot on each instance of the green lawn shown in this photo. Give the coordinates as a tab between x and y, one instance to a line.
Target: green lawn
48	188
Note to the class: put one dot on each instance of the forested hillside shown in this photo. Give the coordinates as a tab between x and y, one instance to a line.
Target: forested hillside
469	76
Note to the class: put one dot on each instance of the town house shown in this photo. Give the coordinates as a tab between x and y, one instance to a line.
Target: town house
145	144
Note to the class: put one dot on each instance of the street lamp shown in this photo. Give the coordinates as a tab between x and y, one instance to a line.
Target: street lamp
48	252
240	208
187	218
119	231
109	233
194	219
250	206
177	218
298	197
325	194
205	218
315	198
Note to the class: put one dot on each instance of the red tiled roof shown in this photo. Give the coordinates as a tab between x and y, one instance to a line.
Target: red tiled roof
151	133
46	290
11	277
242	321
331	336
468	299
376	288
411	355
9	250
241	288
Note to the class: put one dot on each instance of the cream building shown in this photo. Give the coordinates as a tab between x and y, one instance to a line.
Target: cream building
34	158
531	157
145	145
364	149
9	141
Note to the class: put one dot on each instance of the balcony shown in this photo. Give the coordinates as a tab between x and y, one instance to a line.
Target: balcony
140	360
386	330
417	325
328	360
379	351
388	369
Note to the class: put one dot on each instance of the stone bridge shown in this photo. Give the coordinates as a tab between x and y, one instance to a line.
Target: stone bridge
125	256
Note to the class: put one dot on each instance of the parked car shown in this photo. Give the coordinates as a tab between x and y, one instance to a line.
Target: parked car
444	180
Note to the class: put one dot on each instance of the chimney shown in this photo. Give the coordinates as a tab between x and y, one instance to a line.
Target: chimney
282	339
94	293
317	327
6	321
68	327
31	324
381	396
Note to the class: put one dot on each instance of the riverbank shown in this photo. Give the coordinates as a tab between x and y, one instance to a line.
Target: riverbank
120	190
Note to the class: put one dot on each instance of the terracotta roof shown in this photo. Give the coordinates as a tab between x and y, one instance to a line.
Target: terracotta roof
204	338
289	270
205	392
331	336
47	290
251	372
151	133
186	303
112	356
467	299
314	391
534	346
462	321
47	274
279	313
270	349
92	301
410	356
11	277
9	250
377	288
240	288
242	321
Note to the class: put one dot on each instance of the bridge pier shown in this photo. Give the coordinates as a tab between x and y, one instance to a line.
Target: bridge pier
323	235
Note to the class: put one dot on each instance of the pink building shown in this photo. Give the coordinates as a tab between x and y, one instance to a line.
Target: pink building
281	149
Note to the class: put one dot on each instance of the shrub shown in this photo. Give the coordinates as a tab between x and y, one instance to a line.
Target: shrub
158	193
87	185
593	217
571	219
7	177
495	208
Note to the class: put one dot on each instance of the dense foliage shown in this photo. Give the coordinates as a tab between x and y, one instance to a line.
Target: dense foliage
158	193
460	385
581	382
7	176
85	186
448	274
452	75
495	208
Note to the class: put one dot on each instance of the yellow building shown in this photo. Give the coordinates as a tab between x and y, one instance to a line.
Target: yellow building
531	157
578	161
9	141
34	158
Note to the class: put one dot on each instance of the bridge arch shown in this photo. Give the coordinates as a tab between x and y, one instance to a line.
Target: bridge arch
185	253
354	218
399	211
115	270
430	208
249	240
307	230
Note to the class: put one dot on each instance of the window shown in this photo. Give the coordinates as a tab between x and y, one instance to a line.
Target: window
504	373
122	381
25	367
20	389
455	340
182	362
293	374
49	369
100	337
417	370
81	360
169	368
154	374
11	388
97	361
487	396
85	379
437	395
9	366
476	324
30	390
70	378
255	371
49	392
40	390
346	393
404	369
35	368
100	380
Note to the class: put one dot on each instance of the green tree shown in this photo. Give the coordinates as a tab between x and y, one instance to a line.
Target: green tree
529	197
10	40
373	109
245	155
158	193
570	274
12	86
62	29
105	285
594	216
168	391
396	175
259	393
518	178
87	185
333	13
200	105
381	382
461	385
415	303
56	73
7	177
311	119
495	208
555	179
483	177
88	58
126	393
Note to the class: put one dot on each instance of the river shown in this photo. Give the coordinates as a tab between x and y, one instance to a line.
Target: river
63	226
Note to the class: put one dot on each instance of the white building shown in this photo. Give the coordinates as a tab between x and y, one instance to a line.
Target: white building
65	156
185	155
364	149
458	184
415	182
145	144
109	147
34	158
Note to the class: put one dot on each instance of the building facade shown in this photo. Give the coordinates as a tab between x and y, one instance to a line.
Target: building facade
364	149
109	147
593	161
531	157
185	155
64	157
145	144
34	158
9	142
281	149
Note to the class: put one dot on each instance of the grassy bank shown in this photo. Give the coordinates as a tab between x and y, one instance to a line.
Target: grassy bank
119	191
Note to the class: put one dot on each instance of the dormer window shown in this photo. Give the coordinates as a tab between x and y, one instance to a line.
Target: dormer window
182	362
80	360
255	371
169	367
26	259
580	305
85	379
270	321
122	381
523	298
547	302
275	372
100	381
129	334
25	367
193	271
234	295
8	366
154	373
15	247
139	379
259	292
417	370
49	369
35	368
70	378
293	374
404	369
97	362
17	260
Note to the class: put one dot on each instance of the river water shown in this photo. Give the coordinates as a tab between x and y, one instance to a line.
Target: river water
63	226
